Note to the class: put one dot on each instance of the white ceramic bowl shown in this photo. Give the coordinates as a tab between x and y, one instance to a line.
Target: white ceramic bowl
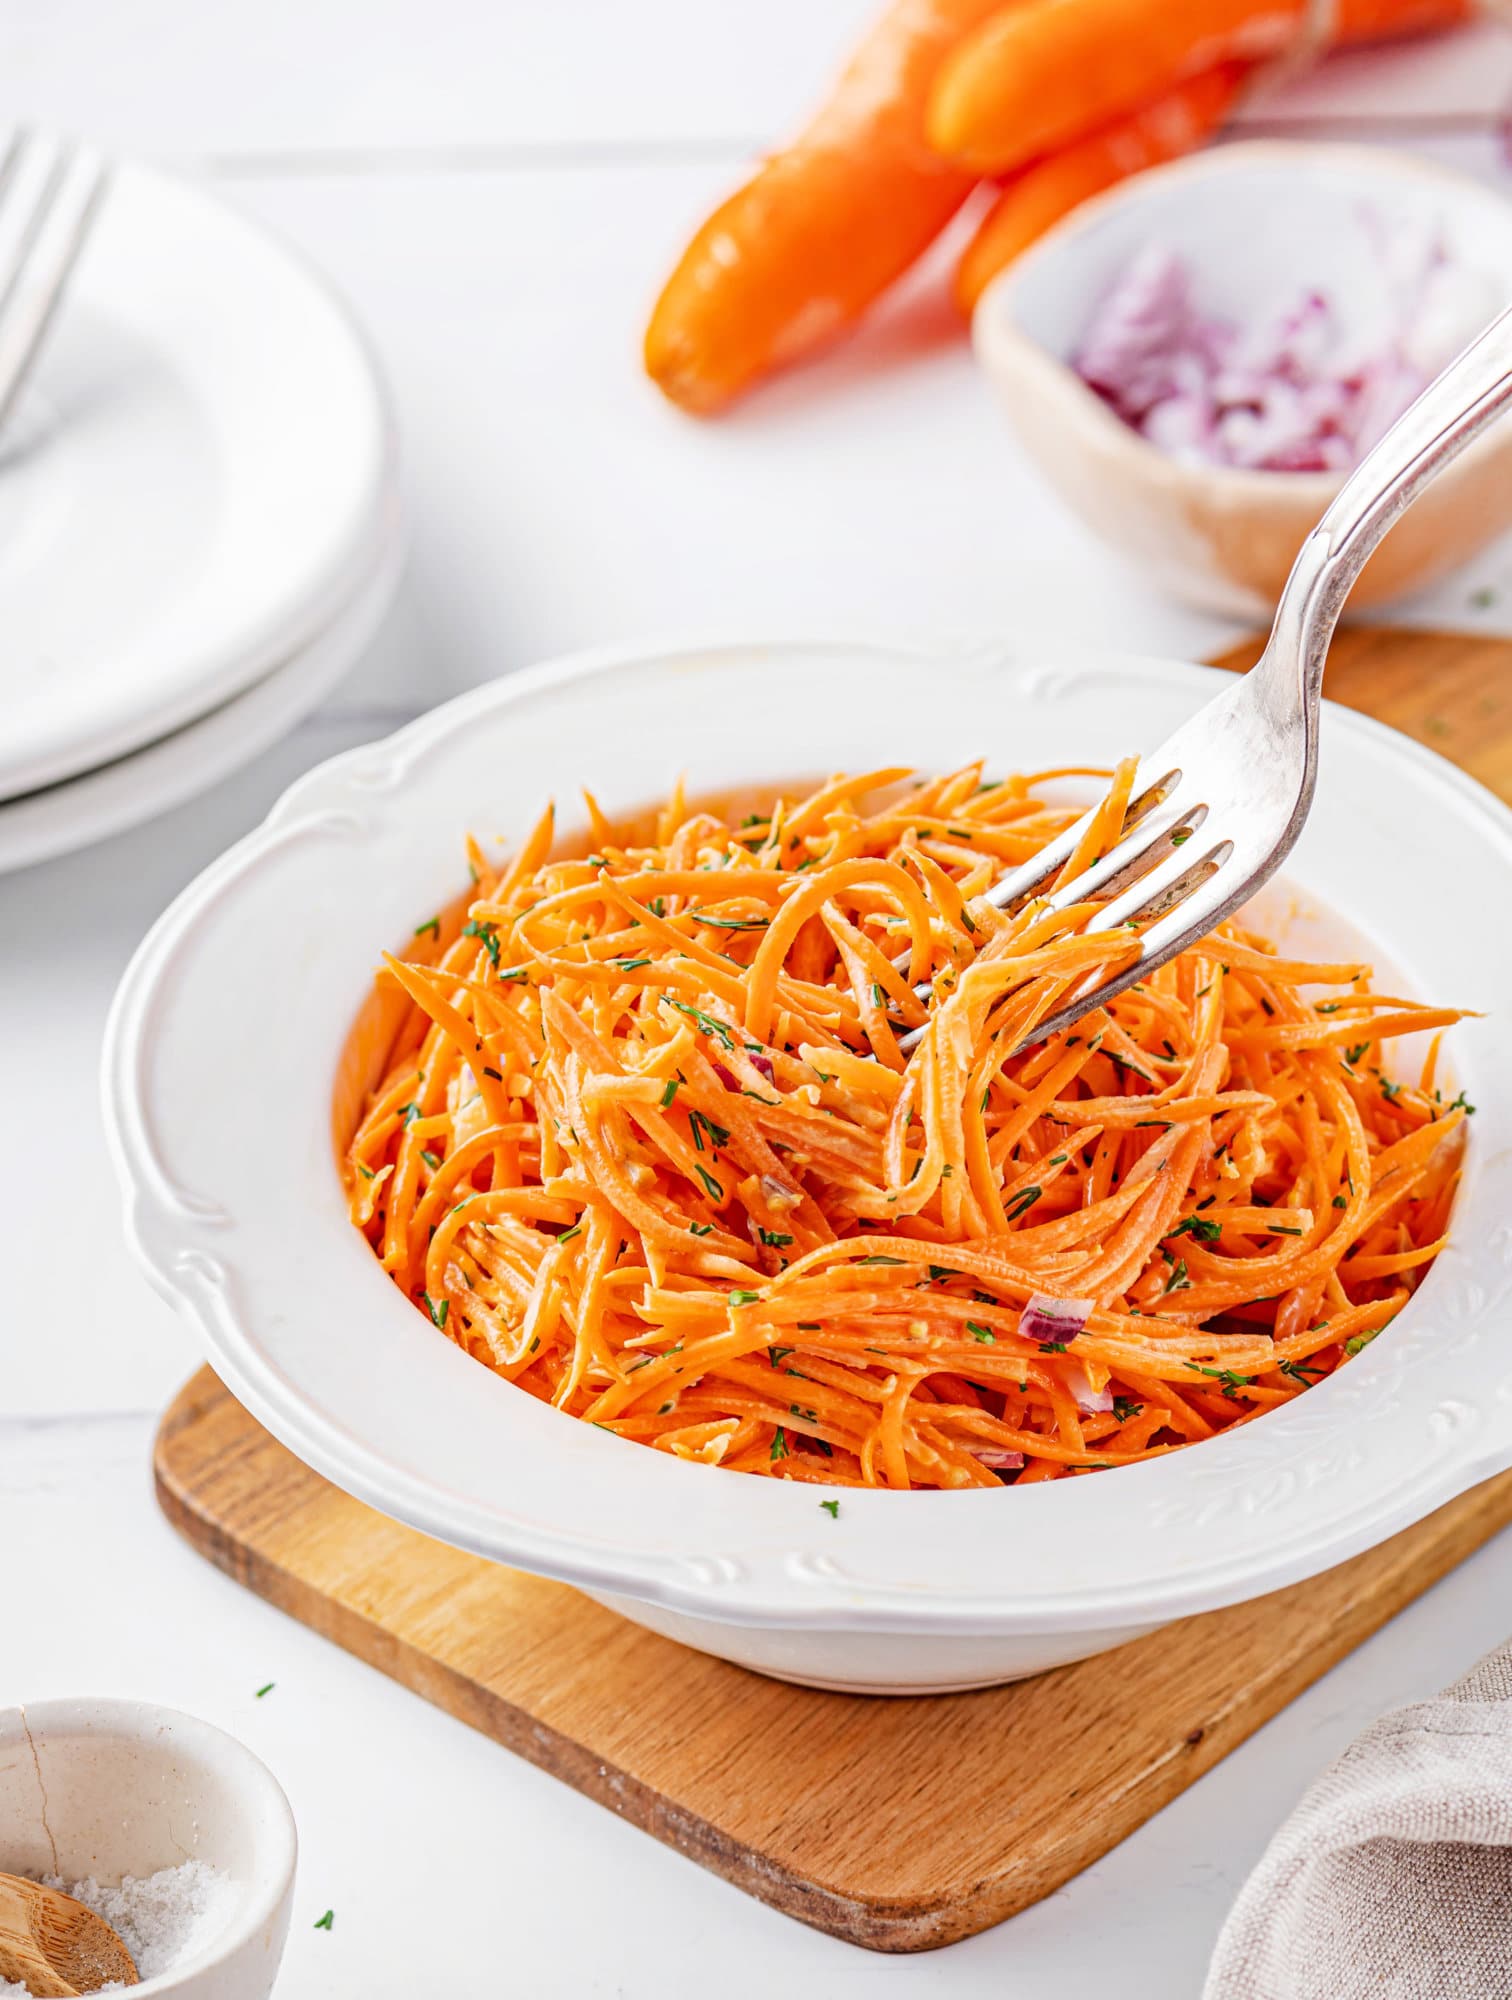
115	1788
1260	224
219	1063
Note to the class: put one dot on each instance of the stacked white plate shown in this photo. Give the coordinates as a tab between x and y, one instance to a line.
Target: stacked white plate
199	525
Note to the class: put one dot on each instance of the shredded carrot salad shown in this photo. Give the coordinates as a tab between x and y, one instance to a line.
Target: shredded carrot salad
644	1143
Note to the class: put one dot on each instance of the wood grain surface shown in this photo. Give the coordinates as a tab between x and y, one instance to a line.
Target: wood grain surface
898	1824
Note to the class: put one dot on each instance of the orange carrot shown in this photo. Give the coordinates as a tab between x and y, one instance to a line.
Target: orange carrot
1034	78
1052	187
824	227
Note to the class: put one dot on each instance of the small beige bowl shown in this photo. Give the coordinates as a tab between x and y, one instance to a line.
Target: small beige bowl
1260	223
115	1788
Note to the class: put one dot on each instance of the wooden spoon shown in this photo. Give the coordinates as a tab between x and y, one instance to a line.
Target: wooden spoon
56	1946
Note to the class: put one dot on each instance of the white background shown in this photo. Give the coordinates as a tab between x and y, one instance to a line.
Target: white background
497	189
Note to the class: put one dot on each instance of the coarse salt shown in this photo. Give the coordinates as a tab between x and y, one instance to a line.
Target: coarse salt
161	1919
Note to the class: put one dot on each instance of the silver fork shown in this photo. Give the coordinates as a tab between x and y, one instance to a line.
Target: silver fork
1218	807
50	193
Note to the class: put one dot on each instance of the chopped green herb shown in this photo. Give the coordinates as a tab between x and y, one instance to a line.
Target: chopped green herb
410	1112
773	1239
431	924
437	1311
673	1085
1295	1371
1178	1280
324	1923
1199	1227
744	1298
732	923
1359	1341
1181	836
979	1332
366	1172
1353	1055
700	1229
1132	1068
1024	1203
830	1507
1124	1408
779	1444
777	1354
568	1234
706	1022
711	1186
879	1260
488	936
698	1123
1389	1090
629	964
266	1688
1226	1376
432	1160
1341	1201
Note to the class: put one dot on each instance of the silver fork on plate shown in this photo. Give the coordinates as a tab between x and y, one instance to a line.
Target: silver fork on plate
50	192
1218	807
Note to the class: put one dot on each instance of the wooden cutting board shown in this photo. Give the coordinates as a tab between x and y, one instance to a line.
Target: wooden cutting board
897	1824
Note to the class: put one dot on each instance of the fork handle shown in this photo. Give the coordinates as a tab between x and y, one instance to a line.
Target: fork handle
1455	407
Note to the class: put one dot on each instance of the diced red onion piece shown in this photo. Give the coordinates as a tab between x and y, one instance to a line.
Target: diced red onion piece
759	1061
996	1460
1049	1319
1091	1402
778	1193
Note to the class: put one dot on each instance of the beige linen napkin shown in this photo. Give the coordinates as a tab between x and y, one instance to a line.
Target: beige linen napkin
1393	1877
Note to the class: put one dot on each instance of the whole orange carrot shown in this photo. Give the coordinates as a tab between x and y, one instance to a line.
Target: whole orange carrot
1042	193
825	226
1031	79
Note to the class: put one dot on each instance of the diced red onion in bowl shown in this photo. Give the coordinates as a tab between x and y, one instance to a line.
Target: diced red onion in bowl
1297	393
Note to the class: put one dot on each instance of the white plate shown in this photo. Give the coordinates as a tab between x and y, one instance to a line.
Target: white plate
180	766
235	1209
192	487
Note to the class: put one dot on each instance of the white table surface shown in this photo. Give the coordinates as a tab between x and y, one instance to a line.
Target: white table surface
497	189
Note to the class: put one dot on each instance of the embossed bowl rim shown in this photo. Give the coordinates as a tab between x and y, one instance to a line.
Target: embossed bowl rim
223	1040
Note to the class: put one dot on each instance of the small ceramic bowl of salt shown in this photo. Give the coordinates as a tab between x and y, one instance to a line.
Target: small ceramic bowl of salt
172	1830
1198	357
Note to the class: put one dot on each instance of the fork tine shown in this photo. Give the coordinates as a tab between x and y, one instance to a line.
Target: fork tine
1212	896
1152	794
1203	891
1136	855
1166	886
48	245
